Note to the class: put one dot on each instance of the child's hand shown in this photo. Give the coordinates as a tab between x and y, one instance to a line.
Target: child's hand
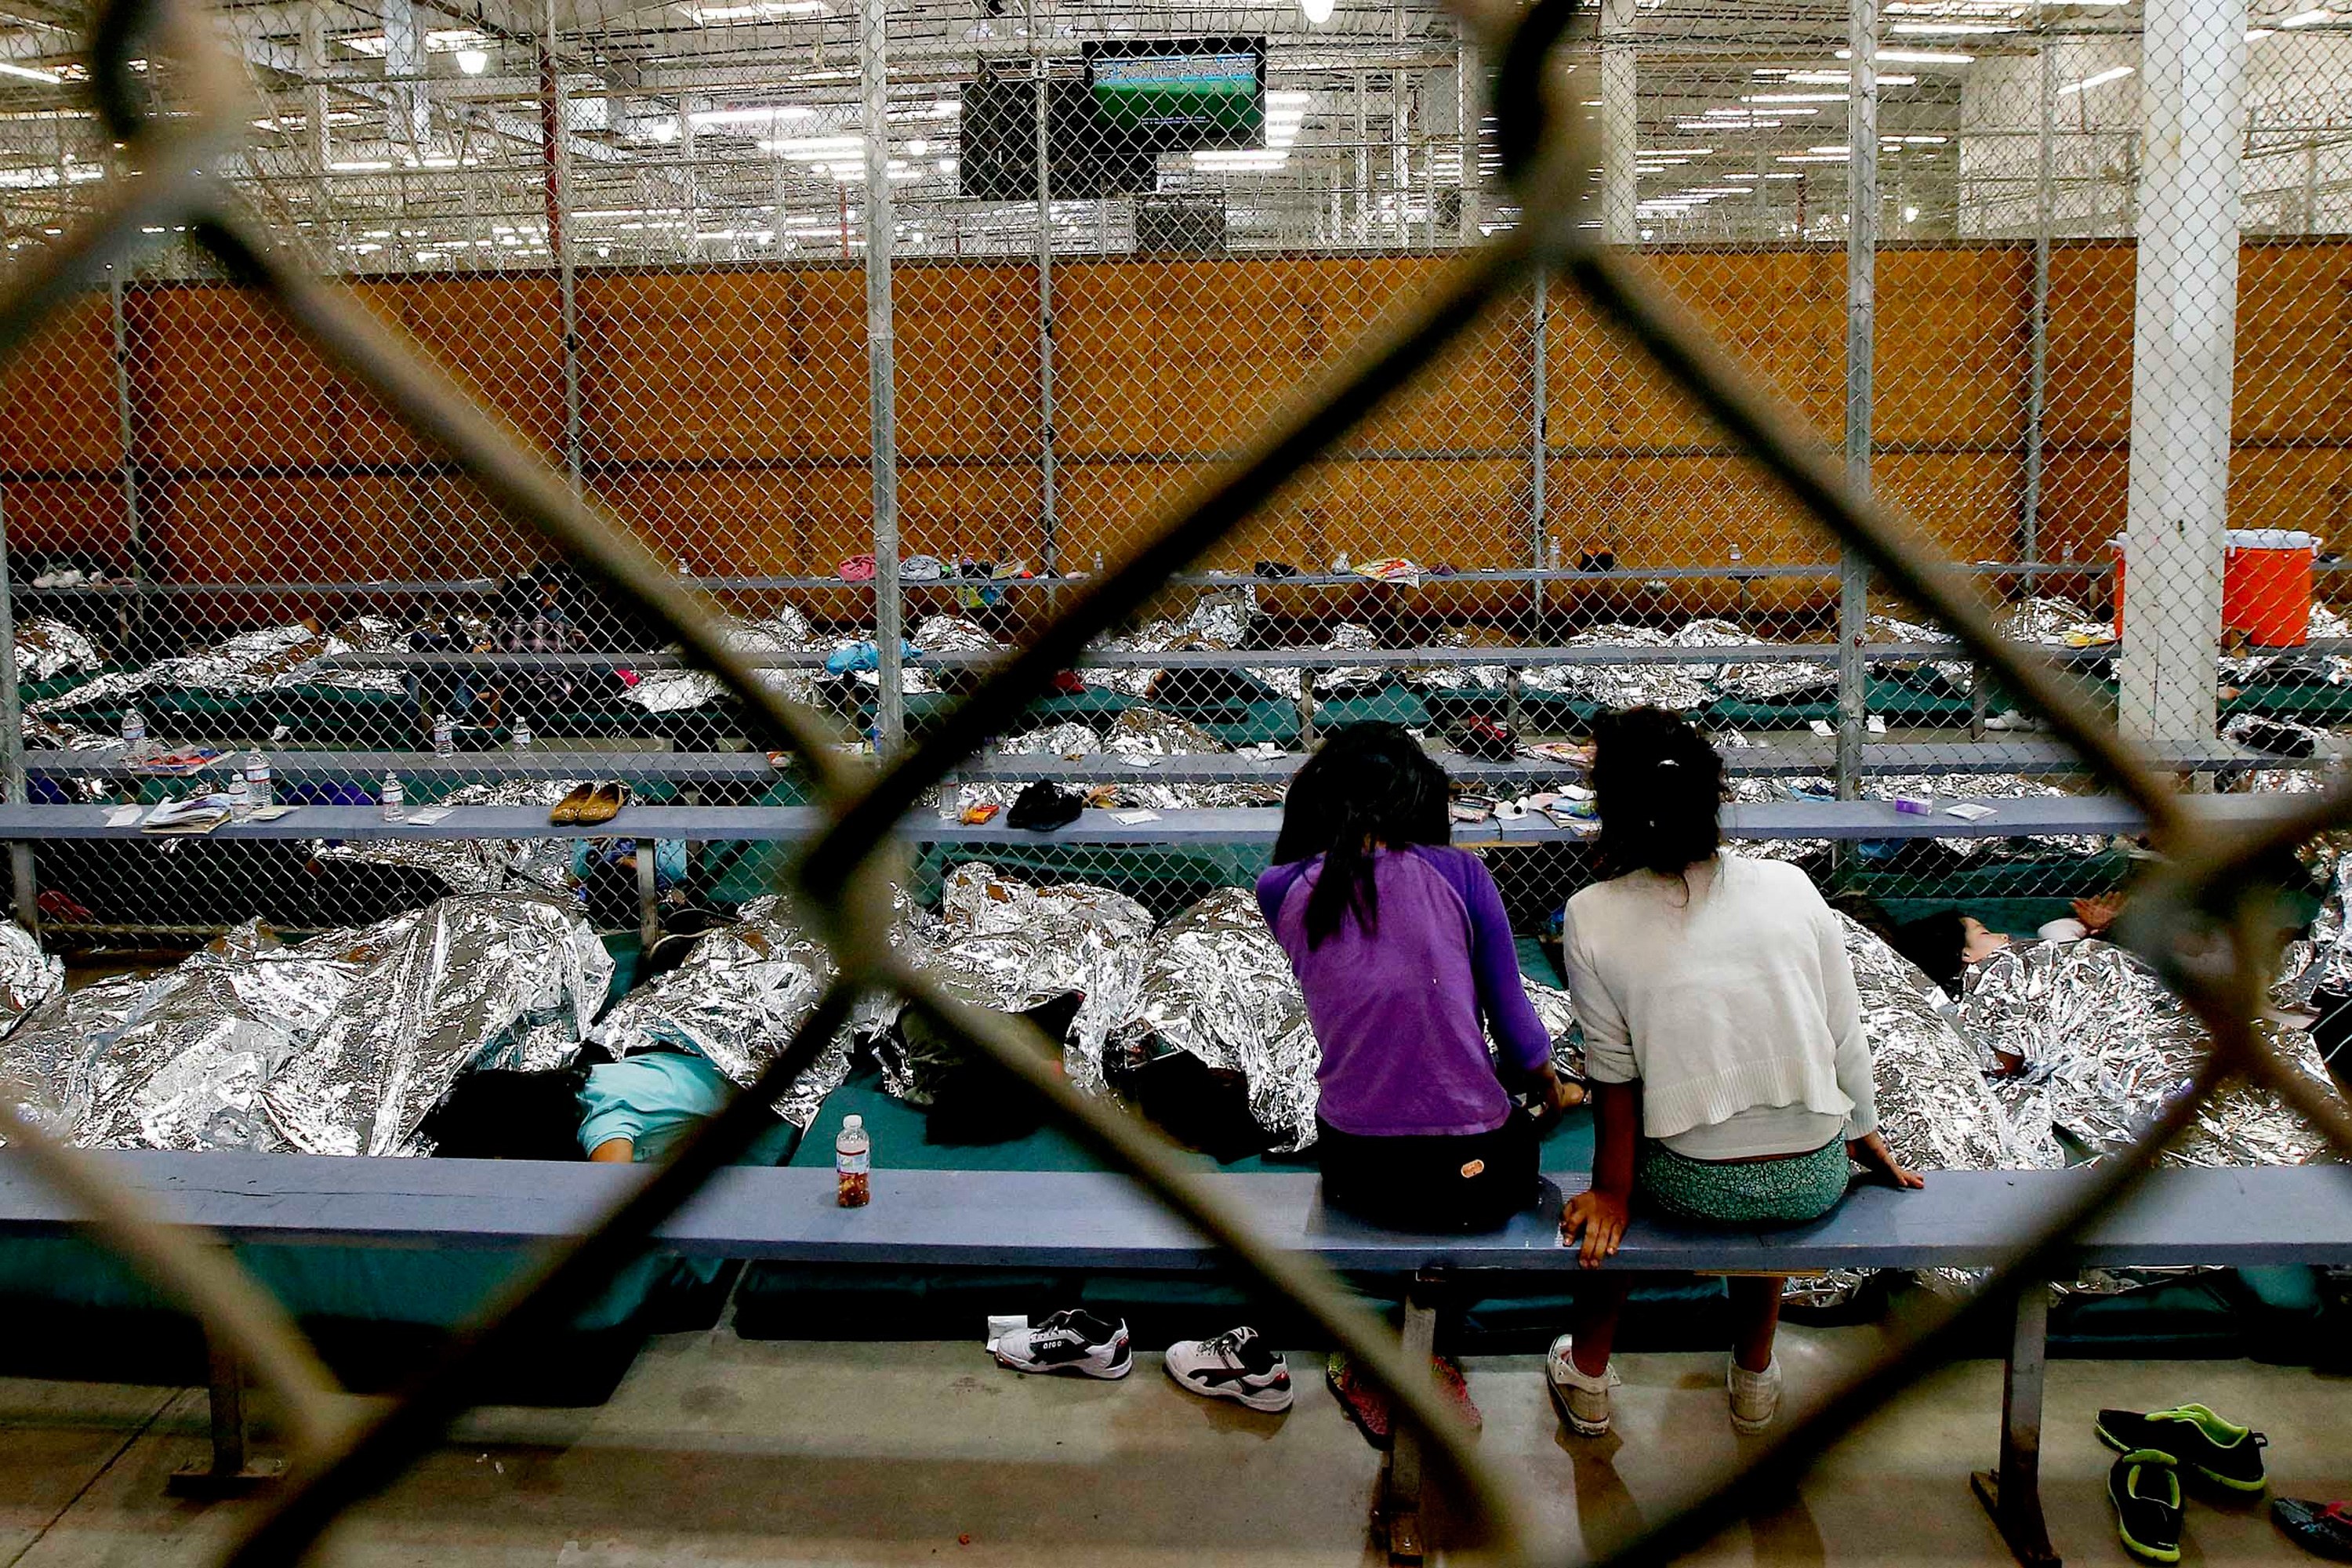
1554	1093
1871	1153
1601	1218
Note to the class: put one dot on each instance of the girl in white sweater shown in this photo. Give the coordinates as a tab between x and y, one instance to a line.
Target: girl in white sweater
1730	1080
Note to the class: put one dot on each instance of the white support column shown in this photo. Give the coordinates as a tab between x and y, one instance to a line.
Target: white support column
1861	347
2184	335
407	122
1469	108
1620	124
1363	224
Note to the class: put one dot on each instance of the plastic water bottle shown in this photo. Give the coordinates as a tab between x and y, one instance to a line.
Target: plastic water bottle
395	800
134	734
521	735
257	781
852	1163
445	736
240	799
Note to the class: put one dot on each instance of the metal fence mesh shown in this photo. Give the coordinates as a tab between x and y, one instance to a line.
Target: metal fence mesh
861	325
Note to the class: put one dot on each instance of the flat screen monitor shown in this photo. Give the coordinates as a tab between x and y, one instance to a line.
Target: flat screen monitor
1177	95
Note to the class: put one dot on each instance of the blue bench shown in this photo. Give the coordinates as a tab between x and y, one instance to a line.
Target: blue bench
1096	1220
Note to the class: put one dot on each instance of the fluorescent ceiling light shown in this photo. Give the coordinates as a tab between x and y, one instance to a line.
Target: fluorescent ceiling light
1917	57
360	166
755	114
1792	98
811	149
1885	78
2117	73
29	73
2254	35
758	11
1784	177
1676	152
1316	12
473	62
1950	29
1841	151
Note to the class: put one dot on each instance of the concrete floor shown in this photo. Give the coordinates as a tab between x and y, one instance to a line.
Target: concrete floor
722	1451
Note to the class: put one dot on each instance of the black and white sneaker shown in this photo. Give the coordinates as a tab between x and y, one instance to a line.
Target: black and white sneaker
1069	1341
1236	1365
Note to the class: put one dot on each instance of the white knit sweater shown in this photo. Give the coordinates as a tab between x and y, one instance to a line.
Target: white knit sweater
1731	995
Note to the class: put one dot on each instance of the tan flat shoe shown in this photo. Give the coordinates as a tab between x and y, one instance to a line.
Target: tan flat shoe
567	810
603	803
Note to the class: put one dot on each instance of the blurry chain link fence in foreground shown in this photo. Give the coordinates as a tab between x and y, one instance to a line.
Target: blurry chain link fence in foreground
853	329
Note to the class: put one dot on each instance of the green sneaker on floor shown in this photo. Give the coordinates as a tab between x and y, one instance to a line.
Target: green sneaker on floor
2146	1491
2192	1437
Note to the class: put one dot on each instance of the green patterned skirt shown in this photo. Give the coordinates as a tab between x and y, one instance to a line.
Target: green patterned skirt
1786	1191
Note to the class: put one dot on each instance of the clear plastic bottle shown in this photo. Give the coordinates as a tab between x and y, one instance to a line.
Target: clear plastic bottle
257	785
445	736
852	1163
520	734
240	799
395	800
134	734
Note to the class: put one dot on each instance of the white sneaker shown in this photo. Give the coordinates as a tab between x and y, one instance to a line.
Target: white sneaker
1755	1396
1581	1399
1236	1365
1068	1342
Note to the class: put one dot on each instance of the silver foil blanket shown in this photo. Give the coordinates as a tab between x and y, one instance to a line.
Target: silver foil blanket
1556	1011
474	865
2324	958
1137	741
45	1062
1003	944
1219	620
48	648
510	980
2054	623
785	631
1987	787
1217	984
1677	687
949	634
268	659
29	977
737	1001
1934	1107
2086	1040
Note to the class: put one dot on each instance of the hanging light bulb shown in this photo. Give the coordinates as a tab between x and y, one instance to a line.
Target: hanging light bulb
1318	11
473	62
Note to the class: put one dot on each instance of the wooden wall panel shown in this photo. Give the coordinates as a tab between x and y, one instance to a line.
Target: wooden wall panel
57	411
1953	349
82	515
726	412
2295	343
968	361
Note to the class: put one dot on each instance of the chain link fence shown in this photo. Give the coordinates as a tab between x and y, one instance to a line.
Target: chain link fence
893	336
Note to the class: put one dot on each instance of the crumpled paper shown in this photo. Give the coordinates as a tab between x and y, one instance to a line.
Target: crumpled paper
1217	984
509	979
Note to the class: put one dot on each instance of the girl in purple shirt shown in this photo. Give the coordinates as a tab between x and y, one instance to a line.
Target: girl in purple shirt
1405	958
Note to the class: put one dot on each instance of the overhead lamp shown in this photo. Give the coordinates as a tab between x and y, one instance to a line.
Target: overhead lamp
27	73
1316	12
1917	57
2117	73
473	62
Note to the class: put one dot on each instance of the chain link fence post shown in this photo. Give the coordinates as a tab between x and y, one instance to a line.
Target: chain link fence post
881	352
1861	346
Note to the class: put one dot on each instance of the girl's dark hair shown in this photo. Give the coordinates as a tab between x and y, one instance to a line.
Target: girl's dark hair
1368	784
1938	944
1657	785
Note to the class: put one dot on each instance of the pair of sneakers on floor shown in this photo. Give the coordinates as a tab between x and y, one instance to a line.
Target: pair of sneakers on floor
1583	1397
1237	1364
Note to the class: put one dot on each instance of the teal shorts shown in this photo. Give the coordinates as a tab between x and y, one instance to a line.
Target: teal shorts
1786	1191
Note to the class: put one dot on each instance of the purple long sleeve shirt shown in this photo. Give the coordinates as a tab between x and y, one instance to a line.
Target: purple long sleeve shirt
1397	1013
